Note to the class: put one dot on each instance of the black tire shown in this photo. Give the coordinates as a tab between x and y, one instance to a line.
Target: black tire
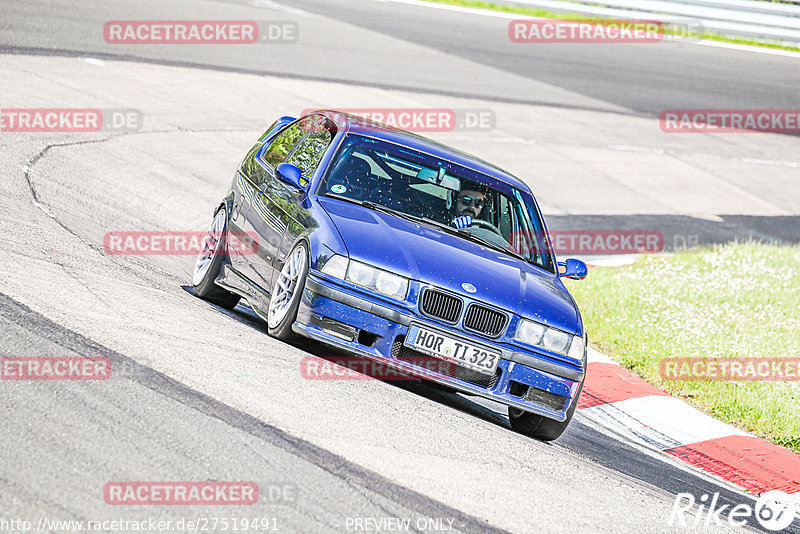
206	289
283	329
538	426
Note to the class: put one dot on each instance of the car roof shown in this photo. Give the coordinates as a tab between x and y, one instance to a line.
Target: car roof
360	126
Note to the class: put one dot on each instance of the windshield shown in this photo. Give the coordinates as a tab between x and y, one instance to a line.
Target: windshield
451	197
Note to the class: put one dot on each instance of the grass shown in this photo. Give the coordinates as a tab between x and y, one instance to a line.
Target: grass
737	300
543	13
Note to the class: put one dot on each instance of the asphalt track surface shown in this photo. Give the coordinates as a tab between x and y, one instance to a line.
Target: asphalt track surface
199	393
615	92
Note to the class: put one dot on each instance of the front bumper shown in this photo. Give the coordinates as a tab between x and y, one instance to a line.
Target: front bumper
353	320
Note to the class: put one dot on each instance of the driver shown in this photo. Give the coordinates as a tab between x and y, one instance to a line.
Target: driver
468	206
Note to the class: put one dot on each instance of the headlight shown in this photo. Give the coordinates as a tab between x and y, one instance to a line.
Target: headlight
556	340
389	284
530	332
377	279
361	274
336	266
366	276
576	349
549	338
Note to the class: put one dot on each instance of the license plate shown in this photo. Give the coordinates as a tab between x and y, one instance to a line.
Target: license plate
446	348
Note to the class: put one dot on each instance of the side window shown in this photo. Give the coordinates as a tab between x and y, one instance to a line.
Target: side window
251	169
309	153
285	141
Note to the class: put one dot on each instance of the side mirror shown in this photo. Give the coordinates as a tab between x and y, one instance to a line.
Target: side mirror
572	268
290	174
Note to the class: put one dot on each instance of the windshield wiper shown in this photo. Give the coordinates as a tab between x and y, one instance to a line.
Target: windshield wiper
469	235
413	218
364	203
492	244
373	206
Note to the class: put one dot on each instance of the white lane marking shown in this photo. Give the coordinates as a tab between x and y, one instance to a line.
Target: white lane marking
631	148
659	455
458	9
707	217
94	61
749	48
270	4
659	421
500	15
702	155
775	163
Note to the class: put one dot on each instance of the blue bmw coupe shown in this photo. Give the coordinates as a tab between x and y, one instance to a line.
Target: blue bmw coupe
402	250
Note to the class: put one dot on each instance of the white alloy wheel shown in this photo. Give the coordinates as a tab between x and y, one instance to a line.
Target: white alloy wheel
212	243
285	291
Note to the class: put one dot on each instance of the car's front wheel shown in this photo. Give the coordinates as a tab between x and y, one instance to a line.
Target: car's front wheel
538	426
287	293
209	263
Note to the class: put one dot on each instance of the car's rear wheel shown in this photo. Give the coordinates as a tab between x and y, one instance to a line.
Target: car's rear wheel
209	263
540	427
287	293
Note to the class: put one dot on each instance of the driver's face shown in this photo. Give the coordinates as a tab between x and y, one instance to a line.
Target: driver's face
470	203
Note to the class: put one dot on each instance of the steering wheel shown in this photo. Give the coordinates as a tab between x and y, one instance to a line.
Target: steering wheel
487	225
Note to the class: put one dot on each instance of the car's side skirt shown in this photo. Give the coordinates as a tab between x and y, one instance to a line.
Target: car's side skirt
235	282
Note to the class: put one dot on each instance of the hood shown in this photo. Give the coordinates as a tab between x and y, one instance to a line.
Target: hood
447	261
